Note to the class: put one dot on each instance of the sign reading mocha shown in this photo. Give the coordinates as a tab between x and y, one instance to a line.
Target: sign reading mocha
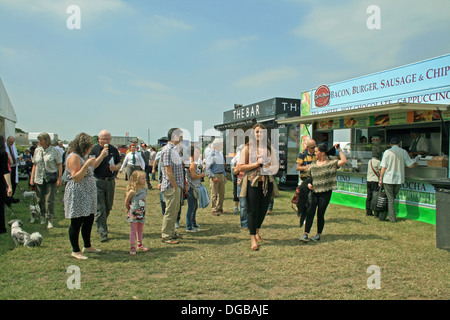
406	102
268	112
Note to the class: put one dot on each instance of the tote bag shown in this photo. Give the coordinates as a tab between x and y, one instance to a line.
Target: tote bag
203	197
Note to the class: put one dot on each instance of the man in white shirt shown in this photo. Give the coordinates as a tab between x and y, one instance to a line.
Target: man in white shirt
14	156
152	161
392	174
419	145
133	161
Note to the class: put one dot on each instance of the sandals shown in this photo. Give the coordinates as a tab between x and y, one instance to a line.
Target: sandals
140	247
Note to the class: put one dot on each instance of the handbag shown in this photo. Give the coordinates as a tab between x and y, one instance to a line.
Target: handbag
382	201
49	177
295	198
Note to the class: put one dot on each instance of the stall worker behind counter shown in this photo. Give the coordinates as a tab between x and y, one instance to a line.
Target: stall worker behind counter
419	144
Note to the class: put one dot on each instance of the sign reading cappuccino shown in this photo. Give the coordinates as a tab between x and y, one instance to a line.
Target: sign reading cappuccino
422	82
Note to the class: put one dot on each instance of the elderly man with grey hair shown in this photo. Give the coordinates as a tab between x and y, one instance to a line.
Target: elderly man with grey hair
215	169
105	169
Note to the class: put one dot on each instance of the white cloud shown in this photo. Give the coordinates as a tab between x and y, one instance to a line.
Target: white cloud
267	77
161	27
228	44
7	51
58	8
152	85
341	28
171	23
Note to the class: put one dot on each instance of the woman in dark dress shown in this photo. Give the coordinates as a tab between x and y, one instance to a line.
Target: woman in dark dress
5	183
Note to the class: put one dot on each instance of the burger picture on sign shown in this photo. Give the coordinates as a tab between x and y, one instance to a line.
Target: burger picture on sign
322	96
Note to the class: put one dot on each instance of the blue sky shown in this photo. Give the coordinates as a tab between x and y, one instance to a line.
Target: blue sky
144	65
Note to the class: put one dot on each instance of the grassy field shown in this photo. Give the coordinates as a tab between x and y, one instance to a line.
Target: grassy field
217	262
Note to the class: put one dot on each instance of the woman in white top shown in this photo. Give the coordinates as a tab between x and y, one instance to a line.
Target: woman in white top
373	176
46	175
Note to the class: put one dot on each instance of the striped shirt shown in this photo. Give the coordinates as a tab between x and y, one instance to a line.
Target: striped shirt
305	158
324	176
170	157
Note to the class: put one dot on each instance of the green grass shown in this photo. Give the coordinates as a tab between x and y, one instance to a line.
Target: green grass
217	262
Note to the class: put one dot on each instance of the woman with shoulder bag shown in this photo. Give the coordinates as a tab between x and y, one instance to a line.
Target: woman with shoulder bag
373	175
194	175
46	176
259	162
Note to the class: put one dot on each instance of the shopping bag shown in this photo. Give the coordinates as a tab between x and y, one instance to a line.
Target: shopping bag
382	201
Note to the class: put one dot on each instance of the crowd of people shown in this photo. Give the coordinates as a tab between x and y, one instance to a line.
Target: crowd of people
89	173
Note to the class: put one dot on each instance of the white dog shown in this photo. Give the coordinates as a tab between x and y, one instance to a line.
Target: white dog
21	237
35	210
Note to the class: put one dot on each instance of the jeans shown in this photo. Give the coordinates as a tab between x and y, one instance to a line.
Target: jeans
162	201
243	209
270	208
191	210
391	192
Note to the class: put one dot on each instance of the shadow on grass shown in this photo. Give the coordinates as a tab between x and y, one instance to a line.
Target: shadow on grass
326	238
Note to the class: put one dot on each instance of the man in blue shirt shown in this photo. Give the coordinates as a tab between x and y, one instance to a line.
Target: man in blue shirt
215	169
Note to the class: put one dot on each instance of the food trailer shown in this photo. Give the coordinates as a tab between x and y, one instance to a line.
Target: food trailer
375	108
268	112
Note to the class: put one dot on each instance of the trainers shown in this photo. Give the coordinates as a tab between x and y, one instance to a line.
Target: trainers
192	230
50	224
79	256
91	250
133	251
170	241
304	238
316	238
143	248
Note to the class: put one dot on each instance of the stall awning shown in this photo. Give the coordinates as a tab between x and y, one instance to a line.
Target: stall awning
394	107
235	125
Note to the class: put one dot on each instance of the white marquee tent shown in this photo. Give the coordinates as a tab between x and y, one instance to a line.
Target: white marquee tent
8	118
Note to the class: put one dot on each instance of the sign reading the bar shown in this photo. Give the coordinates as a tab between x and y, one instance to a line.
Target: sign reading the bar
264	109
422	82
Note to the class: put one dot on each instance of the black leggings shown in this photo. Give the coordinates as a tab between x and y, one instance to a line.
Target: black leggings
257	206
85	224
320	202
